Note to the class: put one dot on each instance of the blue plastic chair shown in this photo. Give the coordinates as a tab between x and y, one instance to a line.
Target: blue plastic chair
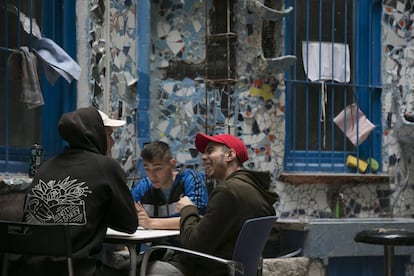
247	254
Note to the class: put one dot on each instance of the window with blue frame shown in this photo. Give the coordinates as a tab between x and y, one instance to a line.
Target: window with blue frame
337	45
21	124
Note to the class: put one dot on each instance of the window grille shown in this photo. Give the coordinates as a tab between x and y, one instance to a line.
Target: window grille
217	70
319	85
20	126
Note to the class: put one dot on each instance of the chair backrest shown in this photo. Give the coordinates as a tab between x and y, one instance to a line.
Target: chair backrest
35	239
12	205
251	242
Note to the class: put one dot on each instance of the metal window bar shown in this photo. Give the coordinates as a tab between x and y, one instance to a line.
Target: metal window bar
314	154
219	76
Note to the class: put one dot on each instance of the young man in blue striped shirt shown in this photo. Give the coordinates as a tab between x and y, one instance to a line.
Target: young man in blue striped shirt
157	194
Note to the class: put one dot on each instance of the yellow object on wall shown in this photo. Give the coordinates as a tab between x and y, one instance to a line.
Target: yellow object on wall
353	162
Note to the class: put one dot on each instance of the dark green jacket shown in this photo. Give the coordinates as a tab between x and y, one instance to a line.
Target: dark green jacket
243	195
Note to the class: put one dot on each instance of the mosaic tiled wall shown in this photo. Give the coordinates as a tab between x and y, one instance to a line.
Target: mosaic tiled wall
398	104
179	106
395	198
113	37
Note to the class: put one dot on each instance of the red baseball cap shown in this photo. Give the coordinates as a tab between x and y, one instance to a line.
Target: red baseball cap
232	142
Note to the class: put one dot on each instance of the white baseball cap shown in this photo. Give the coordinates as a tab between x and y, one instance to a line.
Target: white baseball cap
108	122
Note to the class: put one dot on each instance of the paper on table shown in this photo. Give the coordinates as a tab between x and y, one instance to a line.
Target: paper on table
142	233
111	231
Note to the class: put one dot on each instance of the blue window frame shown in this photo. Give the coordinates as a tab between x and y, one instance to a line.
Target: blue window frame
313	141
21	127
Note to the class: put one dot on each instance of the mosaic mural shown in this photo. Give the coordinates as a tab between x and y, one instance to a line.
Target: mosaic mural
113	72
254	107
185	106
398	101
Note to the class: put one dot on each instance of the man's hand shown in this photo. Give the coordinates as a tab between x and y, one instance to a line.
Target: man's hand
143	219
184	201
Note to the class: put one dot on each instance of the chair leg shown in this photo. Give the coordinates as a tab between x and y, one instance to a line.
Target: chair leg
389	260
5	266
132	248
260	268
70	267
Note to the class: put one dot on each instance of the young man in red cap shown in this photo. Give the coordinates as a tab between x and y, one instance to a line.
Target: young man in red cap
241	194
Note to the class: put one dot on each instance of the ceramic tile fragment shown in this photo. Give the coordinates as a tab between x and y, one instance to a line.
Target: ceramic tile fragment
163	29
175	41
196	25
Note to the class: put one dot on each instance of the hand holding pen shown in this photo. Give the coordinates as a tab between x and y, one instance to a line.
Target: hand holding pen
143	219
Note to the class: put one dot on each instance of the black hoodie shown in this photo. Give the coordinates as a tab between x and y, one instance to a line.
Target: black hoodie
82	186
244	194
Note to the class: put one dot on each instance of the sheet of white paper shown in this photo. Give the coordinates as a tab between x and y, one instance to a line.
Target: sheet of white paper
143	234
321	57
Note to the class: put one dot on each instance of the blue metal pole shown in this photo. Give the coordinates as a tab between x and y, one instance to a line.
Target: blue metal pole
143	64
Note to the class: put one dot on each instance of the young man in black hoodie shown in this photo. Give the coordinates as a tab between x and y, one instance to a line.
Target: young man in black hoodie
240	195
84	187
